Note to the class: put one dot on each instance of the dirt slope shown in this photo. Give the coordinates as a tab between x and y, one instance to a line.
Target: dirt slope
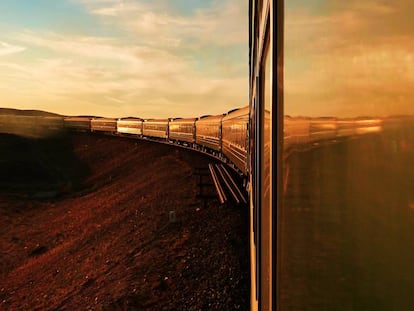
92	230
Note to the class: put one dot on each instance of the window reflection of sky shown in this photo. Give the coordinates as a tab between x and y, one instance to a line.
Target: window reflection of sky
349	58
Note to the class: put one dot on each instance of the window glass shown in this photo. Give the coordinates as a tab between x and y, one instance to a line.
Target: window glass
347	224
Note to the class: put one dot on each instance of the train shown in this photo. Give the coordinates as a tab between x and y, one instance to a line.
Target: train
237	138
227	136
224	136
244	139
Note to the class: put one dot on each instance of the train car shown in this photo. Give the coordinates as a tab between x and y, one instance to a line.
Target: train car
345	127
265	146
39	126
296	131
52	123
4	123
129	125
182	129
77	123
367	126
24	121
208	132
19	124
235	138
103	125
322	129
157	128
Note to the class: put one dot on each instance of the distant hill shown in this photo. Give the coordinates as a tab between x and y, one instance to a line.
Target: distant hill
17	112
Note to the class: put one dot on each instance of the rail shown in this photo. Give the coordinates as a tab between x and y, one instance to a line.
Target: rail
231	184
219	189
226	186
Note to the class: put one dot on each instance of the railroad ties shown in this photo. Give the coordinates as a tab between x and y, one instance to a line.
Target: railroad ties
226	186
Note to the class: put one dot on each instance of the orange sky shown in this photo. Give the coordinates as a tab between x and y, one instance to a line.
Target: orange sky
157	58
146	58
349	58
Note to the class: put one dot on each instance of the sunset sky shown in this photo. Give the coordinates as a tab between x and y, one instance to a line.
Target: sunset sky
146	58
163	58
348	58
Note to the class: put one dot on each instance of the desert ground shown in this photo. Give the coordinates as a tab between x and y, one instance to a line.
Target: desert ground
84	225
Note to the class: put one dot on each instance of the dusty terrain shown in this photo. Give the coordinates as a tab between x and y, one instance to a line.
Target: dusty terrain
84	224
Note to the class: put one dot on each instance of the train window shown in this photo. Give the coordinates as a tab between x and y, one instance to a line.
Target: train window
346	237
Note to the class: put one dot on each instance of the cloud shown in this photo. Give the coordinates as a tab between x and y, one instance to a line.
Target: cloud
349	59
6	48
120	79
137	60
162	63
223	23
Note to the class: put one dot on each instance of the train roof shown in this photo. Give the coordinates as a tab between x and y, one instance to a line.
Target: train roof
52	117
209	118
238	112
104	119
156	120
78	118
130	119
183	120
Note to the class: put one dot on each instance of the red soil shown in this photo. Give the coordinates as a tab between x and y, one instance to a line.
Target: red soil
91	229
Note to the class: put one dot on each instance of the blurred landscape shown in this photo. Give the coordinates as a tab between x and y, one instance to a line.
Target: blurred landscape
84	224
347	223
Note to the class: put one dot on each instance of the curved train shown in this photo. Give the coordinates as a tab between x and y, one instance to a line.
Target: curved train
224	136
238	138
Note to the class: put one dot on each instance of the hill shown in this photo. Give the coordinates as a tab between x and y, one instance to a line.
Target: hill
102	240
17	112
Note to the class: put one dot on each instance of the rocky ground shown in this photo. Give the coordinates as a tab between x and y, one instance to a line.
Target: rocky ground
85	224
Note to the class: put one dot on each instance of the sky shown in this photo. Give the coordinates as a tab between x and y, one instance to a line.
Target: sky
349	58
115	58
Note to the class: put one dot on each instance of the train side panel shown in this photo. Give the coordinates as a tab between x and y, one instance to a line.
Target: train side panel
155	128
52	123
208	132
234	139
103	125
367	126
296	131
129	126
77	123
345	127
182	130
322	129
31	125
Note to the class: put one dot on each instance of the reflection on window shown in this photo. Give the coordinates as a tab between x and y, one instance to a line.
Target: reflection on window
347	221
